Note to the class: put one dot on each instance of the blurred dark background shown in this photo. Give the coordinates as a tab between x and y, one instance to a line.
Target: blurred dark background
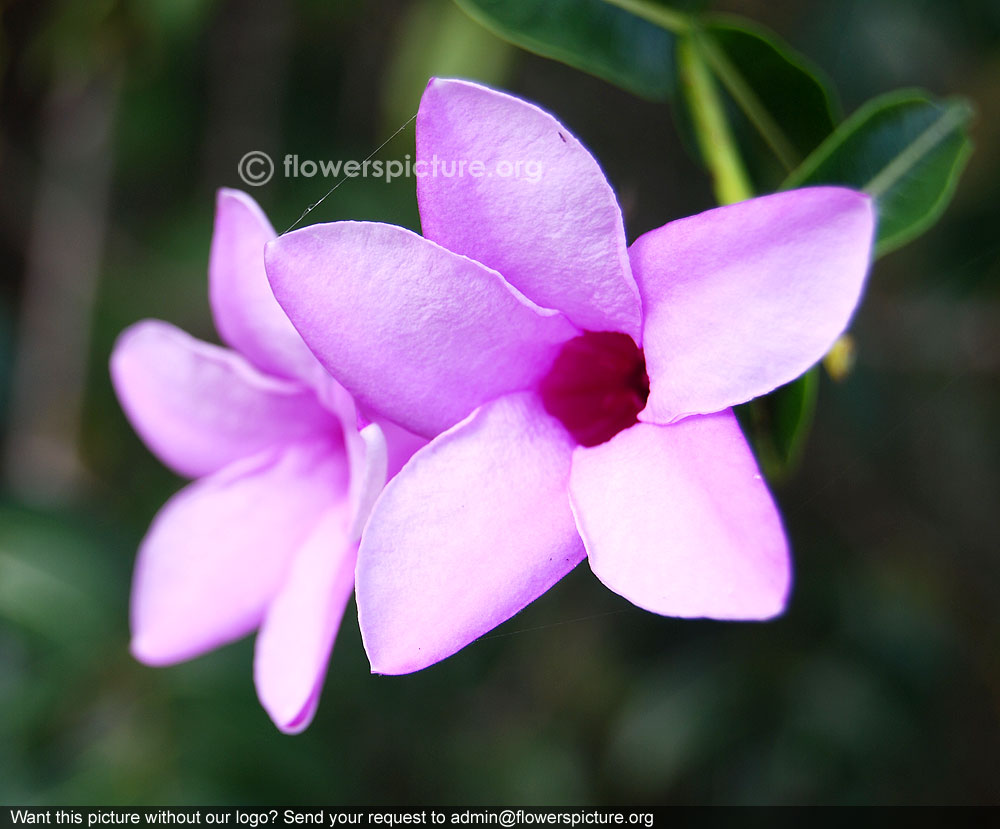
881	684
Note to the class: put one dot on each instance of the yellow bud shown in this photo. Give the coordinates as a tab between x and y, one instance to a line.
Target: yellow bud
839	361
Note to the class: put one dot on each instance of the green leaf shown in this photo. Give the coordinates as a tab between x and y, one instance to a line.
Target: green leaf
785	98
906	150
592	35
779	424
778	105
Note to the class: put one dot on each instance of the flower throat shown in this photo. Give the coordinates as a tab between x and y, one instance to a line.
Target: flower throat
597	386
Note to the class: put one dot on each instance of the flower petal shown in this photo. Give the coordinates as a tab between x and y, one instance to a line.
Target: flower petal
246	314
416	333
551	225
476	526
220	549
200	407
400	446
368	475
293	647
744	298
367	454
678	520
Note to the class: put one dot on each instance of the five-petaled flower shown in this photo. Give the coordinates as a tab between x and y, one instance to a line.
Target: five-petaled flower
579	389
267	537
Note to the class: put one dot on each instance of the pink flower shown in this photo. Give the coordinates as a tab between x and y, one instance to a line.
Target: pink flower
267	536
580	389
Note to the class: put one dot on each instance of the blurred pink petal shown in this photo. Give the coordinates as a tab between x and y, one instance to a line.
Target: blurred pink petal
475	527
219	550
200	407
416	333
295	639
744	298
400	446
552	227
246	314
270	535
368	475
678	520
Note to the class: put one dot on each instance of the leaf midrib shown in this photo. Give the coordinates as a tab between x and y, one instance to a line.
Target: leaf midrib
916	150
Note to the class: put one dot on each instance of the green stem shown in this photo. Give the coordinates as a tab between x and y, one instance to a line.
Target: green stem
669	19
715	138
750	103
680	23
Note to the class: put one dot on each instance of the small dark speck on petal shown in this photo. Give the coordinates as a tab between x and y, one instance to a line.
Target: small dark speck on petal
563	137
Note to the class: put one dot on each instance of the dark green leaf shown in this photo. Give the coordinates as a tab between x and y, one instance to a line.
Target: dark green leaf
779	424
906	149
779	106
591	35
783	96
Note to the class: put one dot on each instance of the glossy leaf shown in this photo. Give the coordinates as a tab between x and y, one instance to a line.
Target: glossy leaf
592	35
906	149
784	97
779	107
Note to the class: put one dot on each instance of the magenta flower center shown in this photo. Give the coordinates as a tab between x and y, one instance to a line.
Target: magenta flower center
597	386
